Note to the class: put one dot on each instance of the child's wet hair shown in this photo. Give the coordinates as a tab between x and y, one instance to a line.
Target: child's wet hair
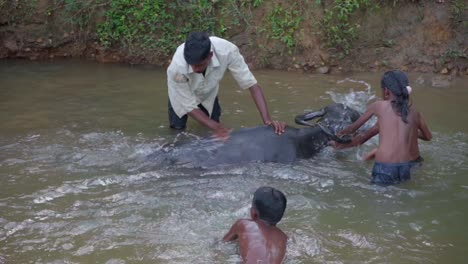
397	82
270	204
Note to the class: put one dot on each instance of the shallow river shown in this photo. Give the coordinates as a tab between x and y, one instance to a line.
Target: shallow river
73	136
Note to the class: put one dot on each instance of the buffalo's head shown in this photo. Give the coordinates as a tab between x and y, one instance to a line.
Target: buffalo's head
331	119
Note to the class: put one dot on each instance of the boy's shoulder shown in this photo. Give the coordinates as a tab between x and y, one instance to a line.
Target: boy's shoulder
380	102
243	222
377	105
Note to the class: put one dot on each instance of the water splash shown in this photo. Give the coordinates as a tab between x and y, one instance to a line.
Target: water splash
355	99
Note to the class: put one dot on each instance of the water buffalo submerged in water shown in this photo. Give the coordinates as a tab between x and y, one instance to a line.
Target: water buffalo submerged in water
262	144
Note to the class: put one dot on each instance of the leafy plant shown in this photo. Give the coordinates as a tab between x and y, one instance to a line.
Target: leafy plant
77	12
161	25
257	3
452	54
154	24
284	23
14	12
337	26
458	8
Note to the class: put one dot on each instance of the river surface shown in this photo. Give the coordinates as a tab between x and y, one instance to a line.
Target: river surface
74	134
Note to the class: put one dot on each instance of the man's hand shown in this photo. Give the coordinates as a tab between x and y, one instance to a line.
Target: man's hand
221	133
278	126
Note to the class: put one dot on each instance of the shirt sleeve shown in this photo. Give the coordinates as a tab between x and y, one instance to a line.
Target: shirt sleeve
181	96
240	70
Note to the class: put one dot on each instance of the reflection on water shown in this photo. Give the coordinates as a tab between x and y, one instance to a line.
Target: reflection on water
74	137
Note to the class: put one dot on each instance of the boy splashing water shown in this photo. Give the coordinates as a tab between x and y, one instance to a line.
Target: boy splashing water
399	126
260	241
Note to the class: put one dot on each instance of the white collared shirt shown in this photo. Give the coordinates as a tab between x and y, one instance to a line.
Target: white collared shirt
188	89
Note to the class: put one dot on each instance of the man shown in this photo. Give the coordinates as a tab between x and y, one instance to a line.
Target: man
194	74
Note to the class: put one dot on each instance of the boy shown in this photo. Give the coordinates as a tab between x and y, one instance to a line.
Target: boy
260	241
399	126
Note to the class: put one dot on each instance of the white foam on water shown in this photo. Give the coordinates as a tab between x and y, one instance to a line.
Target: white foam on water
13	227
356	240
355	99
301	244
31	138
84	250
50	195
115	261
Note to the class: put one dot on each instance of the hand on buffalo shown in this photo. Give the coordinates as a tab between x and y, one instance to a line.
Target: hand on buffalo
278	126
221	133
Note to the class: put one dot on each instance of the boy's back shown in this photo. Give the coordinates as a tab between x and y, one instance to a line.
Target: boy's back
259	242
398	141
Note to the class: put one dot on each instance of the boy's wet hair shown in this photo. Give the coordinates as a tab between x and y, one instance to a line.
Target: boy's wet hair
397	82
270	204
197	47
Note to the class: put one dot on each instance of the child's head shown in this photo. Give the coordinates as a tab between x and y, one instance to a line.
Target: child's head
268	204
396	83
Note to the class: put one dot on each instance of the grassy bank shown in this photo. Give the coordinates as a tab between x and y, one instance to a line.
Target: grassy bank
301	34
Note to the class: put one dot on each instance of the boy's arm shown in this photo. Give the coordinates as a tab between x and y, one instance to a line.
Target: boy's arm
232	234
360	138
361	120
370	155
423	131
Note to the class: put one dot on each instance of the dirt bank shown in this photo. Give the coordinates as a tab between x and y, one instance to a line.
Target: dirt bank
416	36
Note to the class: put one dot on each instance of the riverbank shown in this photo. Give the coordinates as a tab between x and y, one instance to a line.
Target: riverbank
422	36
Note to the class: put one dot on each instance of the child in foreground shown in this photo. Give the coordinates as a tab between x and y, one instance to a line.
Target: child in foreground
260	241
399	126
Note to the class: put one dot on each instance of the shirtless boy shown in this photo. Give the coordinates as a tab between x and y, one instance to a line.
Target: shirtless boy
260	241
399	126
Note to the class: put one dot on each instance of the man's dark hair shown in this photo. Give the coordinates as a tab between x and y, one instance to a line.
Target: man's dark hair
197	47
270	204
396	82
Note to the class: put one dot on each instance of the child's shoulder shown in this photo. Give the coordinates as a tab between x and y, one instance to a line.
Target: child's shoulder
414	111
244	222
377	104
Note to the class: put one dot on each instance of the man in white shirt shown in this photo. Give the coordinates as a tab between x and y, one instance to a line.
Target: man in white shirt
193	77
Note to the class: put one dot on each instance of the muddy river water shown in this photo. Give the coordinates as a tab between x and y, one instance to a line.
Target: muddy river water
72	190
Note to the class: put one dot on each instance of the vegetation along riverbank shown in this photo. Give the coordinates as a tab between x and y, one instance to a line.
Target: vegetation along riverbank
305	35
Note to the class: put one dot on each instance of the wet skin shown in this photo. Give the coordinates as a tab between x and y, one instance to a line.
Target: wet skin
259	242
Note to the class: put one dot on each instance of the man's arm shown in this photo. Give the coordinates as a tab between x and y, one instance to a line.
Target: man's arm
246	80
423	131
233	232
184	102
219	131
257	95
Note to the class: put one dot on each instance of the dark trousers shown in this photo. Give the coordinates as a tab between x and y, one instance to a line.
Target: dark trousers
393	173
176	122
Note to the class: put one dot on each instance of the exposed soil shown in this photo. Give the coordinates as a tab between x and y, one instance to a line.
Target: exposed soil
416	37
